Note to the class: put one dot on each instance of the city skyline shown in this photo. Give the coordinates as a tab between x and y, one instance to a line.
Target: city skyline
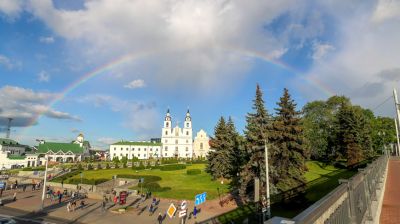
112	70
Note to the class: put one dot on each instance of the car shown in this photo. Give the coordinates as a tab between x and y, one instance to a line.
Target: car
7	220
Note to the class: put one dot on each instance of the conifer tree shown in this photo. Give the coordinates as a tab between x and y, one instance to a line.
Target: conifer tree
288	158
256	134
236	150
220	161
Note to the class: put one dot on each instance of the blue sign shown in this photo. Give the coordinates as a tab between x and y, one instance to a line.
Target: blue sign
200	198
2	185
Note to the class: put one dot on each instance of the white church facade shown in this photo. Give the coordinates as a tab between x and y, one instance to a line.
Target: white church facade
176	141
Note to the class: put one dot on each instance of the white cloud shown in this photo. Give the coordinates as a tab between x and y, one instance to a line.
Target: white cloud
25	105
135	84
141	117
320	50
193	44
386	9
8	63
46	40
11	8
43	76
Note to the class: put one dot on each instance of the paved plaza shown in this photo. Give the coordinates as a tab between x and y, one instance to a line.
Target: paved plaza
28	204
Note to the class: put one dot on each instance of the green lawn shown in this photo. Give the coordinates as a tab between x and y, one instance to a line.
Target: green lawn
179	184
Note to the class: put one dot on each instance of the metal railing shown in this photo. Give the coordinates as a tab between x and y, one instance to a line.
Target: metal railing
351	201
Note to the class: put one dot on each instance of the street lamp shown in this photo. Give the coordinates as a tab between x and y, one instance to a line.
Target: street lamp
44	182
266	201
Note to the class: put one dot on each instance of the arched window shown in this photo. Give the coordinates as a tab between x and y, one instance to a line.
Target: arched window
201	145
166	132
176	141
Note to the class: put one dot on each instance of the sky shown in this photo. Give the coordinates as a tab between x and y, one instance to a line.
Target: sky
111	69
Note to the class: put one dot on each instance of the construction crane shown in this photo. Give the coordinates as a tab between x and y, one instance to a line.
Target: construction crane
9	128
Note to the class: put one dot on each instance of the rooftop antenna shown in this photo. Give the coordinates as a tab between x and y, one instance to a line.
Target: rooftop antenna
9	128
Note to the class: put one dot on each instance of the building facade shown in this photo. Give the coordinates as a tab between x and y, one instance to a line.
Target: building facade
140	150
177	142
65	152
201	145
14	155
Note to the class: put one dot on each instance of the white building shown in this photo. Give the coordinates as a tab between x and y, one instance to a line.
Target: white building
201	145
140	150
65	152
177	142
15	155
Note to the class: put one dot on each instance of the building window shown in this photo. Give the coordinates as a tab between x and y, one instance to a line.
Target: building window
166	148
167	124
165	154
166	140
122	148
145	149
187	149
187	155
176	148
201	145
115	154
156	149
187	125
133	149
176	141
138	149
151	149
138	155
127	149
166	132
127	156
120	154
187	133
187	141
115	148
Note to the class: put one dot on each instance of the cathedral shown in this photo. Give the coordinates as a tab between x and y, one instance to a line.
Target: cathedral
176	141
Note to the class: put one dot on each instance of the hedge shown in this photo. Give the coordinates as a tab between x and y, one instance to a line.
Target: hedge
155	187
34	168
173	167
66	176
86	181
147	178
193	172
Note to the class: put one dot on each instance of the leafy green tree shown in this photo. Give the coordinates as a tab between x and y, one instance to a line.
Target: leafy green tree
256	134
383	133
288	158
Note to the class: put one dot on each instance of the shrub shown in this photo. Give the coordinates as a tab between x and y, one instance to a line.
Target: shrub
90	167
193	172
99	166
147	178
80	167
124	165
155	187
107	166
173	167
169	161
40	168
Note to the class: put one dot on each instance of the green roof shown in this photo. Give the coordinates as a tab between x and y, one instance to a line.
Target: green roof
16	157
138	143
7	141
55	147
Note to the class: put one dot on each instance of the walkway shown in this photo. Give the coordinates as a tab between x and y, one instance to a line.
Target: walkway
391	201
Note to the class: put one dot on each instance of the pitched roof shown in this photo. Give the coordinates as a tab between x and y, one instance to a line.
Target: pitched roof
56	146
7	141
137	143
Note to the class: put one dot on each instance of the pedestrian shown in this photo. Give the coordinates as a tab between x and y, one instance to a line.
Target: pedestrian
159	218
69	206
82	204
59	198
150	209
15	196
16	184
115	199
73	205
24	187
103	205
1	192
194	212
33	186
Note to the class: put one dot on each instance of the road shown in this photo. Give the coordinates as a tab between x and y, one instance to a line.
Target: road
23	217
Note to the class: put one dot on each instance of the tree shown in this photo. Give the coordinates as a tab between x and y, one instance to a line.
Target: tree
353	139
383	133
220	161
236	150
256	134
288	158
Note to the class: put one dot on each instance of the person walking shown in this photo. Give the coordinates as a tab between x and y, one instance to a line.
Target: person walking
103	205
15	196
160	218
69	207
59	198
73	205
194	212
24	187
150	209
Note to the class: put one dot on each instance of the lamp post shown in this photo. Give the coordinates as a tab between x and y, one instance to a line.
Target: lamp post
44	182
267	199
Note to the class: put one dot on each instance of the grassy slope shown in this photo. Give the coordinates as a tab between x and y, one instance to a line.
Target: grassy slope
320	179
182	186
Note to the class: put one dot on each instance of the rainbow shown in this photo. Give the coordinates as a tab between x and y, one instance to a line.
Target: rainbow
130	57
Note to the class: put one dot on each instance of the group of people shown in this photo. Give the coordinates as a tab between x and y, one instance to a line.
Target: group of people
71	206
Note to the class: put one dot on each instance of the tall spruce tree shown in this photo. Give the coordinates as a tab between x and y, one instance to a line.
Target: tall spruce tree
236	150
220	160
288	158
256	133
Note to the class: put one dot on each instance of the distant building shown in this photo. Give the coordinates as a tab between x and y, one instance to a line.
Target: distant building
201	145
177	142
140	150
15	155
65	152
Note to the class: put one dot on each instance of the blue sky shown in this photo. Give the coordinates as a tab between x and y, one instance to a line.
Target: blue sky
204	55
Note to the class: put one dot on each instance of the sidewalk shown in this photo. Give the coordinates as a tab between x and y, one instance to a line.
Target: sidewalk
391	201
92	213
